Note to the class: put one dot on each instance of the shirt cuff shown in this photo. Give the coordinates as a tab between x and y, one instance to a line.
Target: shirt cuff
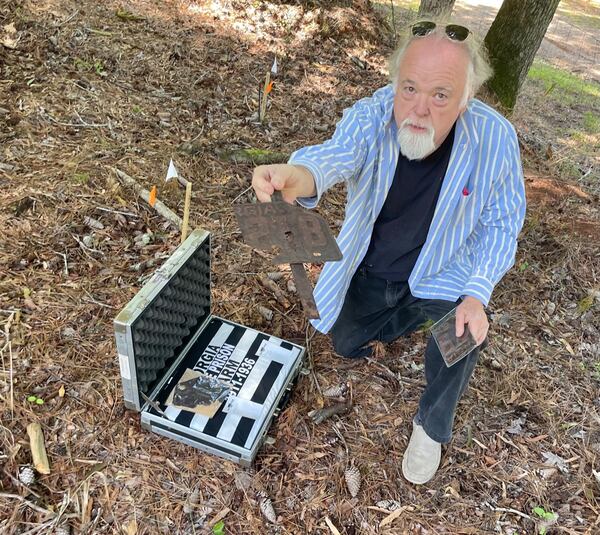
480	288
310	202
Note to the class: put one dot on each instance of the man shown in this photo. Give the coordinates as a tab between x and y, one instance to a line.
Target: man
435	201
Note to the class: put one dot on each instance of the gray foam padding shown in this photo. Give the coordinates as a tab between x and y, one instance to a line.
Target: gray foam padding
169	321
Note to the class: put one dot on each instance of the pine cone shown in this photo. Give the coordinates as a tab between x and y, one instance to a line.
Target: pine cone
27	475
390	505
353	480
203	511
336	391
190	503
266	507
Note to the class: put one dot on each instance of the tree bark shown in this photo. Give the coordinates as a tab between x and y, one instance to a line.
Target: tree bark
435	7
512	42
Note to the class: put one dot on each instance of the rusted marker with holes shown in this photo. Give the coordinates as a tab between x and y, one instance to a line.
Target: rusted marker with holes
299	235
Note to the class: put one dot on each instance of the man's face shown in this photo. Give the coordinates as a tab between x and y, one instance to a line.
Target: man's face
429	99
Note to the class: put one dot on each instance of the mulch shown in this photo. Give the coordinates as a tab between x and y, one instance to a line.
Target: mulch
90	86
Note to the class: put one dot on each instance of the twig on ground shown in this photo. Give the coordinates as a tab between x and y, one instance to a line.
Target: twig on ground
68	19
95	302
8	345
73	125
85	249
509	510
331	526
245	191
64	255
27	503
142	192
120	212
38	448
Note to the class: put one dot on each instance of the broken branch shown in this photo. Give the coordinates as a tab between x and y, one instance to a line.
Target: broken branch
142	192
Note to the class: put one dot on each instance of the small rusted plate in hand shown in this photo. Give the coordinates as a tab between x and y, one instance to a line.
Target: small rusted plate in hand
299	235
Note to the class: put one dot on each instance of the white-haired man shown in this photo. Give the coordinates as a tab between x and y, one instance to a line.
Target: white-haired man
435	201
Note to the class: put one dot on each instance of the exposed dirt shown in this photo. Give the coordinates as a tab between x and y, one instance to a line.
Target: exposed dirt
86	87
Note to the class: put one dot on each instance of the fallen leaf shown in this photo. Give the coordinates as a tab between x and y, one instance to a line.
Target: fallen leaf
11	38
28	302
516	426
130	528
392	516
331	526
555	460
597	476
93	223
220	516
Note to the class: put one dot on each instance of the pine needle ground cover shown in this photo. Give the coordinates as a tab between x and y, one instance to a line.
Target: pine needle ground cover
90	87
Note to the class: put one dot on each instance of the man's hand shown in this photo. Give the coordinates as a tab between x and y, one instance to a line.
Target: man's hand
292	180
471	312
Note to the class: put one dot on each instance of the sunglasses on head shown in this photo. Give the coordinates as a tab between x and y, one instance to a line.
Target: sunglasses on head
453	31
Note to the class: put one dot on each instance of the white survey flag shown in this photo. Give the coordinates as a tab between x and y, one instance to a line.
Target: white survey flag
171	171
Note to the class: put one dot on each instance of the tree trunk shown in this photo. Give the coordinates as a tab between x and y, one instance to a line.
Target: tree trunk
512	42
435	7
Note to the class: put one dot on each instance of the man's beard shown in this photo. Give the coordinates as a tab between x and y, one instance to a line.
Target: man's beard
415	146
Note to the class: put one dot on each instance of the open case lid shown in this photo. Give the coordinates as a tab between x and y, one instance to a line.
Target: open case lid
163	316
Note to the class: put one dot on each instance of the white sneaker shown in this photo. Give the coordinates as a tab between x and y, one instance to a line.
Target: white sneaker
422	457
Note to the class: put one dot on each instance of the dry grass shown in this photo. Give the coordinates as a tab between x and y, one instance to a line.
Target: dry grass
86	90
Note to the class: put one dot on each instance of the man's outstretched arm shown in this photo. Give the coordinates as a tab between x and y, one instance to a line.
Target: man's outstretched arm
314	169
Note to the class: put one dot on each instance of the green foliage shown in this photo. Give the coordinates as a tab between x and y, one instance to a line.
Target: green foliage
564	85
219	528
35	399
548	516
568	168
585	304
573	11
136	109
127	16
427	325
84	65
81	178
591	122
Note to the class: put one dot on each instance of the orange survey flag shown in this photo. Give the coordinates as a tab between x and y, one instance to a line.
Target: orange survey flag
152	197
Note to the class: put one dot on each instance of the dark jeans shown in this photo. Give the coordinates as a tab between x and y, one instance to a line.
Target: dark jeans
378	309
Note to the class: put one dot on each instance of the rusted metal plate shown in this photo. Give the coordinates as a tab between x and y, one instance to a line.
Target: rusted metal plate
298	235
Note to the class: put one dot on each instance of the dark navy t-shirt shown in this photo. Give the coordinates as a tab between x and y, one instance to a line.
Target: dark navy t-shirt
403	223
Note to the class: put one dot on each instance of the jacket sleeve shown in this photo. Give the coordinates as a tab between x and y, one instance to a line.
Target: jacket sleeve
499	225
340	158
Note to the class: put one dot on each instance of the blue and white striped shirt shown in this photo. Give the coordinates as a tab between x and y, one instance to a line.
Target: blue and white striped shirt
472	240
